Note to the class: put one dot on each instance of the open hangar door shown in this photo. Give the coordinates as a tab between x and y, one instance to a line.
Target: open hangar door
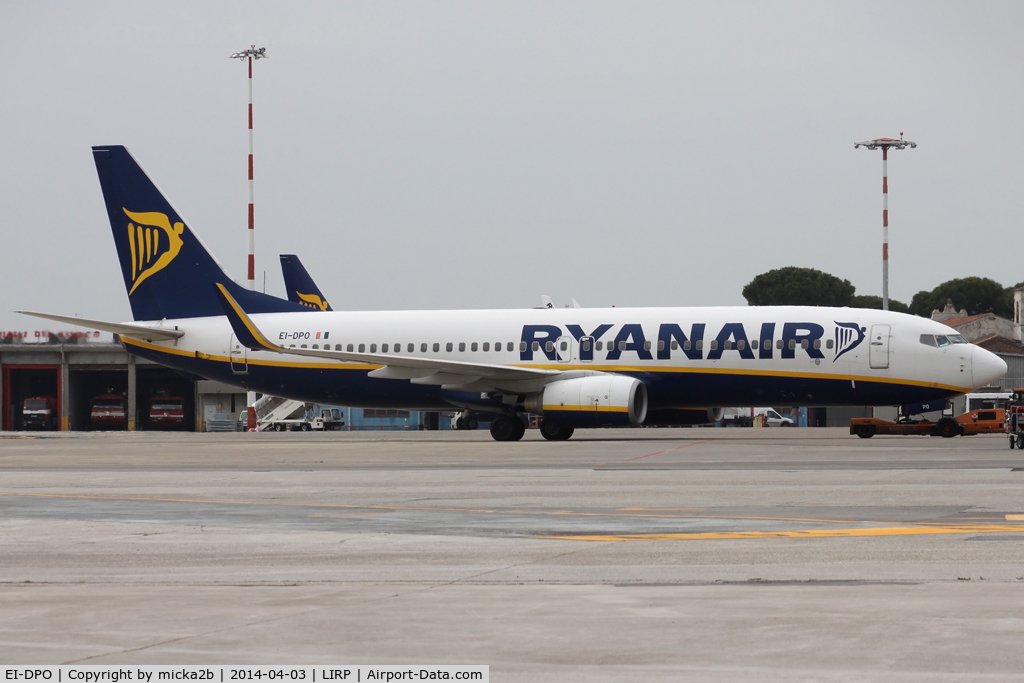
84	384
156	382
27	381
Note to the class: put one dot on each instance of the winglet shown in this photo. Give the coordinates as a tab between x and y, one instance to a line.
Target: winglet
245	330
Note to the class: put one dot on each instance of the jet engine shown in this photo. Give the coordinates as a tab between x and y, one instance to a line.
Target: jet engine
593	401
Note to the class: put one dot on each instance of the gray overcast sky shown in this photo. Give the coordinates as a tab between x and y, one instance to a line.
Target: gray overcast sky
464	155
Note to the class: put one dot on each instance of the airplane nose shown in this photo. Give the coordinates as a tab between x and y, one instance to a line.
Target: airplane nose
986	367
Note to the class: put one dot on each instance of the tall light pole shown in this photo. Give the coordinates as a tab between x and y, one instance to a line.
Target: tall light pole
884	144
249	55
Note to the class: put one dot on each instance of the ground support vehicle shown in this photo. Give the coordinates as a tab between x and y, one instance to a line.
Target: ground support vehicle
39	413
107	412
1014	426
166	412
983	421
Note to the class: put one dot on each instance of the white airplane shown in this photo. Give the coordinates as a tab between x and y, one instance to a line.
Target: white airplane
576	367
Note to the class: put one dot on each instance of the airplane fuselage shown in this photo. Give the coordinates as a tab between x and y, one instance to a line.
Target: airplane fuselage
686	357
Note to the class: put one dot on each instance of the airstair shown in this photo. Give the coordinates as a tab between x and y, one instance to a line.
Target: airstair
274	409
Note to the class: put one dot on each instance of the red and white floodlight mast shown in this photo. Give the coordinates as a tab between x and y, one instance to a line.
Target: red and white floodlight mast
884	144
249	55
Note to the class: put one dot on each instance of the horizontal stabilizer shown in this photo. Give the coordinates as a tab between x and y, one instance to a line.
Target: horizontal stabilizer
128	329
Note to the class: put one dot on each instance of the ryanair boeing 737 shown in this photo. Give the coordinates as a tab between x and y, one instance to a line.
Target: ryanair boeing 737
576	367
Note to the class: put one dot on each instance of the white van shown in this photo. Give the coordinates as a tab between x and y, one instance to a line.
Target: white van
773	418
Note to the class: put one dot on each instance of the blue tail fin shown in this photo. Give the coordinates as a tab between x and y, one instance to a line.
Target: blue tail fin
168	273
300	286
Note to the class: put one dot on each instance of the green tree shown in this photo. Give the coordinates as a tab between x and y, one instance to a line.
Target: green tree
792	286
975	294
872	301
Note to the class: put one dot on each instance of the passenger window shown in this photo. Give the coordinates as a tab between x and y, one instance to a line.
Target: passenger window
714	344
549	346
700	344
412	347
622	346
316	346
598	345
437	347
423	347
487	346
564	346
778	344
291	346
675	345
373	348
473	347
512	347
941	341
398	348
792	344
586	345
449	346
522	346
350	348
661	344
754	343
828	344
647	346
741	344
337	347
766	344
536	346
383	348
462	347
817	343
302	346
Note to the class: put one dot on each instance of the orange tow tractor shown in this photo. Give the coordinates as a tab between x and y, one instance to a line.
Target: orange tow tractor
981	421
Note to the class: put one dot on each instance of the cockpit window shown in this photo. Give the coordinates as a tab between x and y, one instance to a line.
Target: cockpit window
957	339
941	341
928	339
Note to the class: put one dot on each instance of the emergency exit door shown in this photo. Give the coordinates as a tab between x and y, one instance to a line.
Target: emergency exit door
878	351
239	357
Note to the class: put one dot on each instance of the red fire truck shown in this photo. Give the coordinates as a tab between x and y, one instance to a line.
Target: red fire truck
107	412
166	412
39	413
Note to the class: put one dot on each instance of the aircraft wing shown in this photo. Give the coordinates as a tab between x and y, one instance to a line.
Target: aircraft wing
416	368
139	331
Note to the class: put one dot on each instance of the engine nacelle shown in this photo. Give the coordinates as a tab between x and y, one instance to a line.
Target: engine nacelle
593	401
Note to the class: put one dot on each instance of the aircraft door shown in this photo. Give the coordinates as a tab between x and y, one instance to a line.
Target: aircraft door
239	356
586	345
878	351
565	349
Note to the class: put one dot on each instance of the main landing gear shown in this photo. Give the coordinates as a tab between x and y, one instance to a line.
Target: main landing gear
553	432
507	428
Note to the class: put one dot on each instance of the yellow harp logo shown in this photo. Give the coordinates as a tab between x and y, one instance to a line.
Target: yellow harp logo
312	301
151	253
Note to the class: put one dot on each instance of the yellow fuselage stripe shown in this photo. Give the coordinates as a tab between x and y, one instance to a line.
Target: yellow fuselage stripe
340	365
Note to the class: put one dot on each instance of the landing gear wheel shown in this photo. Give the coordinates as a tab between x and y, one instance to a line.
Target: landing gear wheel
553	432
866	431
947	428
519	427
460	424
1020	441
503	429
471	424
